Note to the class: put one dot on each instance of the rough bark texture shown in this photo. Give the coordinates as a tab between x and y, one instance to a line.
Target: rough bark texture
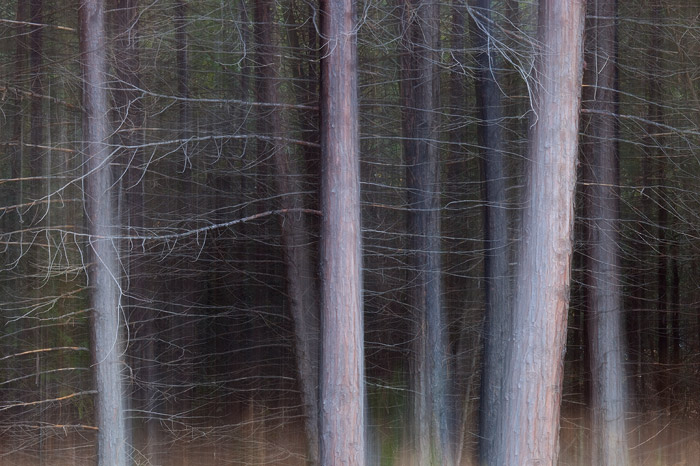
103	270
604	289
429	376
528	428
342	416
497	318
300	271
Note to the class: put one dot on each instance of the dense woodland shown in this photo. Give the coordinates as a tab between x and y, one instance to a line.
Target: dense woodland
383	232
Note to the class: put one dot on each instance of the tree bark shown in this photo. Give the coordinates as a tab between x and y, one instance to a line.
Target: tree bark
497	315
103	270
429	374
342	391
604	287
300	271
528	428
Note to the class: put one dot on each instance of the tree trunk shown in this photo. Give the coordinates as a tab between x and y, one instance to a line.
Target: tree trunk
429	375
36	131
130	119
497	315
300	271
604	287
18	120
184	329
103	270
342	391
528	429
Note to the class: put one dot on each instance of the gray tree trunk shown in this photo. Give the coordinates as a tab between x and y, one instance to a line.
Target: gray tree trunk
36	132
130	119
429	375
342	390
528	429
491	141
604	288
103	269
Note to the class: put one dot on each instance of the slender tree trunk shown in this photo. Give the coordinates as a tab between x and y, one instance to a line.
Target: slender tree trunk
675	308
429	374
18	122
184	334
342	390
664	389
676	394
604	287
464	355
654	167
11	221
528	429
300	271
130	119
103	270
36	167
497	318
662	287
36	132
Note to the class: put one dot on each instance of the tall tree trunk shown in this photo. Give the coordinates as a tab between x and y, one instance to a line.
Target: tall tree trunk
36	166
18	121
184	331
429	423
300	271
497	318
604	287
130	119
103	270
528	429
36	132
654	167
342	390
464	355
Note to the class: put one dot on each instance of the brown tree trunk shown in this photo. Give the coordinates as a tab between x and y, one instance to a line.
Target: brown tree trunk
604	287
103	270
528	428
342	390
300	271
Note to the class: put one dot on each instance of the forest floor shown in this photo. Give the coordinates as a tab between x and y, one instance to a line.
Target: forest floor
653	441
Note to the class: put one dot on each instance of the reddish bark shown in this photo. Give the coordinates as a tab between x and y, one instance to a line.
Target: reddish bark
528	429
342	391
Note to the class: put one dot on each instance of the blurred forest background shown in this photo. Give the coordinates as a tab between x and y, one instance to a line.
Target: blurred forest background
214	165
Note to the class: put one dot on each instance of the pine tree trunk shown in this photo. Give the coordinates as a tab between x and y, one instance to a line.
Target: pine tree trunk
528	430
103	269
342	390
300	271
497	315
429	375
604	287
